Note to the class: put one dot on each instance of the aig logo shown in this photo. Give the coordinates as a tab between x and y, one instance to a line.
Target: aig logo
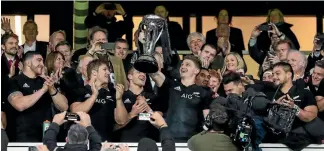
101	101
187	96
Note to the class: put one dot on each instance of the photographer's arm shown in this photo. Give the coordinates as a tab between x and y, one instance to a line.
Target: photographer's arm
50	136
94	138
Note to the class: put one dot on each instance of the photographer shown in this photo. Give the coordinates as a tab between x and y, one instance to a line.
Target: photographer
98	37
214	137
78	135
104	105
247	101
104	16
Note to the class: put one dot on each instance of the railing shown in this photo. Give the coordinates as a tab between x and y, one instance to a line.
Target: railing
245	52
179	147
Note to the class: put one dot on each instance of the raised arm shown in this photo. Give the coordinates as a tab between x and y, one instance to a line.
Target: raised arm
158	78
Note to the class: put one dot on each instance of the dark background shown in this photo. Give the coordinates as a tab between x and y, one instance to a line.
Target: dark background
61	12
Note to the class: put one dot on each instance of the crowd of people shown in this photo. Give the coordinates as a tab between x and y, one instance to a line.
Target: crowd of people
200	99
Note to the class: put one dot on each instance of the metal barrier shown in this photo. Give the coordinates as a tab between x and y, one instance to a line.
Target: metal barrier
179	147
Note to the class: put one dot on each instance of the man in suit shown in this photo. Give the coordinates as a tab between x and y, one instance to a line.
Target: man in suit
30	30
9	59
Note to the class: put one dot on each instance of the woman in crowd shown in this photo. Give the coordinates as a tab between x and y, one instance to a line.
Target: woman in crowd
225	36
276	17
235	63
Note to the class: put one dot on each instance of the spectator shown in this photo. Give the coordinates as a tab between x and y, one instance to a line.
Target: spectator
5	26
268	75
195	41
234	62
55	38
214	82
104	16
78	135
225	34
298	62
10	62
207	55
32	96
104	107
214	137
116	67
316	77
65	48
176	33
276	19
281	50
317	54
121	51
82	69
30	30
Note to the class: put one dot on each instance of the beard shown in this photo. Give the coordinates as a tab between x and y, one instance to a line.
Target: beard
36	69
12	51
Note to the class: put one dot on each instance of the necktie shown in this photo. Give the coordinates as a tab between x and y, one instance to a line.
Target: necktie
10	63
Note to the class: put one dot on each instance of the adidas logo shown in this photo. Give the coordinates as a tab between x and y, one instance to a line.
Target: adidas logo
87	95
25	85
127	101
177	88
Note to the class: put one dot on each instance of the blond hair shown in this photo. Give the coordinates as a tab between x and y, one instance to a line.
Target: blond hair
240	62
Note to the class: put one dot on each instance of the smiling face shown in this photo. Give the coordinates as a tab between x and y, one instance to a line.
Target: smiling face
202	78
59	62
317	76
103	74
195	44
188	69
36	64
280	76
137	78
121	50
296	62
11	46
231	63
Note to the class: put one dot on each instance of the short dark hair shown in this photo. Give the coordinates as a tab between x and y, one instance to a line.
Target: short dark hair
62	43
218	116
94	65
231	77
286	67
320	63
30	54
194	59
120	40
211	46
96	29
6	36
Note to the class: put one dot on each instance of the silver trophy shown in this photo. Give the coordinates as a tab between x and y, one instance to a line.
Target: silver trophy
150	30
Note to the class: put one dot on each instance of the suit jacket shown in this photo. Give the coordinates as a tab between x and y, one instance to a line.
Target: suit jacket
41	47
236	39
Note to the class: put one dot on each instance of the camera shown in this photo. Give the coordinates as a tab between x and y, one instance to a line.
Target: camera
265	27
144	116
243	132
72	117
